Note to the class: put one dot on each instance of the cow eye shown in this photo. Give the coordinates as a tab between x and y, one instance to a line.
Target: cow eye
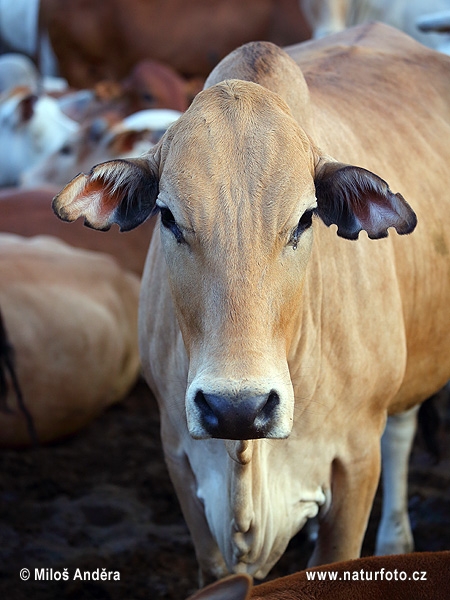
304	223
168	221
147	97
66	150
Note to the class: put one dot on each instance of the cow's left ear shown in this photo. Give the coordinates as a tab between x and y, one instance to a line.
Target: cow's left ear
121	191
355	199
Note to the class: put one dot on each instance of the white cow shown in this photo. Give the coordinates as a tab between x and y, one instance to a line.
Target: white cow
331	16
96	142
437	22
31	128
20	32
17	70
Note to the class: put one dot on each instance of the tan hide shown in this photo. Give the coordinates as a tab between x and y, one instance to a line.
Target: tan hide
71	318
256	320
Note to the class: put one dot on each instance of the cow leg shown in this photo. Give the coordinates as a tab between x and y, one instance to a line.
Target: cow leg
342	527
394	532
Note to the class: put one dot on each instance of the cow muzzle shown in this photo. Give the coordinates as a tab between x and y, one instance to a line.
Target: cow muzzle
242	413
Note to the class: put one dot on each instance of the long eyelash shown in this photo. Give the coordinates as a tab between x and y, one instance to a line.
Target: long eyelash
304	224
168	221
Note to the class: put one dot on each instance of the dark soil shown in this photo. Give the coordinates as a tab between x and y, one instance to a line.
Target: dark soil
103	500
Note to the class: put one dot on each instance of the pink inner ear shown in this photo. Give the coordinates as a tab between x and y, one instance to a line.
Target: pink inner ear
381	211
355	199
121	191
91	199
100	203
107	201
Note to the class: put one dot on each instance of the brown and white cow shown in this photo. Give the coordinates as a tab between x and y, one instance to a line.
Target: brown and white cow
70	317
404	577
277	346
104	40
87	42
98	141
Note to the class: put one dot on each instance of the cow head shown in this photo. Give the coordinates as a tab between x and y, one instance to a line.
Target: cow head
31	128
237	183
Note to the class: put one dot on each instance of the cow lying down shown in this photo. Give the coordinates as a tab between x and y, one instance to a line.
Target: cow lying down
129	250
277	344
70	330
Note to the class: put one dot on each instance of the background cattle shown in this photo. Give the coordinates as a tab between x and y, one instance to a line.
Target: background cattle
150	85
17	70
31	128
70	318
93	41
129	250
330	16
97	141
104	41
42	145
20	32
439	22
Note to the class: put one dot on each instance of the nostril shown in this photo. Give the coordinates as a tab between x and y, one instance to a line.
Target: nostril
242	416
273	401
201	402
205	409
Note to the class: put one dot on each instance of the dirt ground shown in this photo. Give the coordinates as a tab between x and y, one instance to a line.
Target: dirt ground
103	500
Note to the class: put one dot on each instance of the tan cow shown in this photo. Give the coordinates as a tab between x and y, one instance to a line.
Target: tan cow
129	250
71	318
276	346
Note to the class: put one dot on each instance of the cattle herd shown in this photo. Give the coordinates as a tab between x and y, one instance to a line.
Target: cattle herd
273	260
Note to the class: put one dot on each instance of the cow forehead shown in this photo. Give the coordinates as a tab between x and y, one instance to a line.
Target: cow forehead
237	144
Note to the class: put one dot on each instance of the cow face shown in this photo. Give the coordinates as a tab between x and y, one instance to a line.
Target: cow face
236	199
31	128
236	182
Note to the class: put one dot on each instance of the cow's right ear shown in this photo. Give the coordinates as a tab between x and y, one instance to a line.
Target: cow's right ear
121	191
236	587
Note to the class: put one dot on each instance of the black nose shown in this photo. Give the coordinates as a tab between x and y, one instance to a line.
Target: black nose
237	417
